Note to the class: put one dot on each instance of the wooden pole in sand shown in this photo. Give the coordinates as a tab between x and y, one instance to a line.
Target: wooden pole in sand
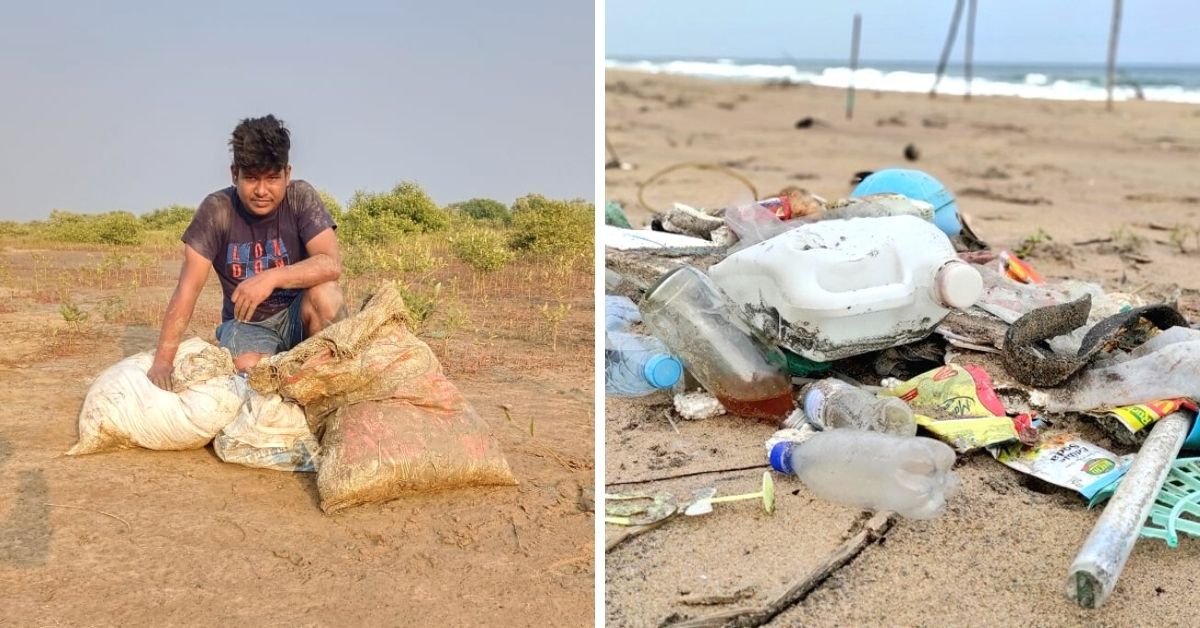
853	65
1112	50
970	48
958	7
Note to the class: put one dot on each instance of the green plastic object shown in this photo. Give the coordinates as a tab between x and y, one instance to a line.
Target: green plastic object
1176	508
615	216
800	366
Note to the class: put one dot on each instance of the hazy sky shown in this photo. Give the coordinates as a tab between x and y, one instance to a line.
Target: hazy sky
1152	31
129	105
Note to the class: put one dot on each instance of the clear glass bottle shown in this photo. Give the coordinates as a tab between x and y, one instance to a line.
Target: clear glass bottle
691	316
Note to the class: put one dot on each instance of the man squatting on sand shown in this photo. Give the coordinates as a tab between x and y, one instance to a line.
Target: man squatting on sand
271	241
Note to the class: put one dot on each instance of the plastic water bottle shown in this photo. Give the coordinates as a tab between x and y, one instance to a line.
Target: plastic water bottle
832	403
619	313
636	365
871	470
840	288
746	373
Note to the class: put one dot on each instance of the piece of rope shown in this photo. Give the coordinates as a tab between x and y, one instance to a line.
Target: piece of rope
690	164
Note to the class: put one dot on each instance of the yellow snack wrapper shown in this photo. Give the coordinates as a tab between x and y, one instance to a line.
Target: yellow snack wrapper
972	433
952	391
959	406
1134	418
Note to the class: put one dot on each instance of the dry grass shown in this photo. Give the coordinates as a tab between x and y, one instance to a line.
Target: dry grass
476	320
533	314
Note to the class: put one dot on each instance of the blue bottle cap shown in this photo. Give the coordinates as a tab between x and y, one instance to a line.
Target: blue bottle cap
919	186
662	371
781	458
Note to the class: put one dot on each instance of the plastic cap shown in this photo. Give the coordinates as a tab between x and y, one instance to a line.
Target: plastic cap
959	285
781	457
918	186
662	371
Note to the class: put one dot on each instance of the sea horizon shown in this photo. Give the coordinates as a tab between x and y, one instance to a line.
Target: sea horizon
1050	80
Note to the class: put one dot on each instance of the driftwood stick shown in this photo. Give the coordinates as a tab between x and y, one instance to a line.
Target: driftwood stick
876	527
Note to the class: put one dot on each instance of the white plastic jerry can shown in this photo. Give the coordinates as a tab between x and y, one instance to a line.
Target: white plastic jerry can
840	288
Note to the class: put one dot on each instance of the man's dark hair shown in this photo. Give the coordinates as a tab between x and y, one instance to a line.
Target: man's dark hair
260	145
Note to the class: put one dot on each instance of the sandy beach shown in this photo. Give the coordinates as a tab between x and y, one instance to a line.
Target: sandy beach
1105	196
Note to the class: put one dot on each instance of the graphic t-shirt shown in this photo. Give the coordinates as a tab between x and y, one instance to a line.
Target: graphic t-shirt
240	244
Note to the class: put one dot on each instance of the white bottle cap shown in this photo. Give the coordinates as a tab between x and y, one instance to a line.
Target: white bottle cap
958	285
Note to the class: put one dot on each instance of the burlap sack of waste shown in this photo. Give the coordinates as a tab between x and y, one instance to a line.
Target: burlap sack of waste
362	358
375	451
124	409
390	421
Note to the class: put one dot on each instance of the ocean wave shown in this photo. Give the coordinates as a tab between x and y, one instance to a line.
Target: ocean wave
1035	85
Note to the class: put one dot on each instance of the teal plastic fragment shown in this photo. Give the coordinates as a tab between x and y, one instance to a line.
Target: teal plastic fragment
800	366
615	216
1176	508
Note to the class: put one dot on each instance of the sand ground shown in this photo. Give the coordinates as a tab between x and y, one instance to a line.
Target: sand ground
142	538
1069	171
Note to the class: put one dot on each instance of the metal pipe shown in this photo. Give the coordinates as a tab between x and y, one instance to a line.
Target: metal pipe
1094	574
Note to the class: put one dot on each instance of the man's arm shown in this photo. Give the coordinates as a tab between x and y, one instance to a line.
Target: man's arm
192	277
324	264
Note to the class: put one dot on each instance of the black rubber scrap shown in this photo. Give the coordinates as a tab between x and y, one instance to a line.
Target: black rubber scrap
1032	366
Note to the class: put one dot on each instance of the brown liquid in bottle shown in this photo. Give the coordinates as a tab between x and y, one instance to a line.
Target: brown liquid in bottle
770	408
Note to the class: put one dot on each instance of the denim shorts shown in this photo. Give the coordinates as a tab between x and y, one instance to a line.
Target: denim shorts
275	334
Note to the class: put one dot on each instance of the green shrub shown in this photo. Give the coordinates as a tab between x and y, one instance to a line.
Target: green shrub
484	209
482	249
548	227
376	218
421	302
168	222
117	227
332	204
390	261
173	218
14	229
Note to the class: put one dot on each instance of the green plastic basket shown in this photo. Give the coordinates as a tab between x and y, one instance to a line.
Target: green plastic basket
1176	508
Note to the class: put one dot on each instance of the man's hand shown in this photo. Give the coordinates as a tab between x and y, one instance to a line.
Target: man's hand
161	374
250	294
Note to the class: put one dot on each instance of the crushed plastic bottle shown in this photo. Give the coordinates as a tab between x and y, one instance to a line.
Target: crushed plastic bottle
871	470
691	316
636	365
620	313
832	403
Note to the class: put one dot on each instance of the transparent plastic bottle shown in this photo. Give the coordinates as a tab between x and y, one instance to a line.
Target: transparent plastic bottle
692	318
620	313
636	365
871	470
832	403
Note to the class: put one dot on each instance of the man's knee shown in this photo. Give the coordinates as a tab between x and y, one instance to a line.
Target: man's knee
246	361
323	305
